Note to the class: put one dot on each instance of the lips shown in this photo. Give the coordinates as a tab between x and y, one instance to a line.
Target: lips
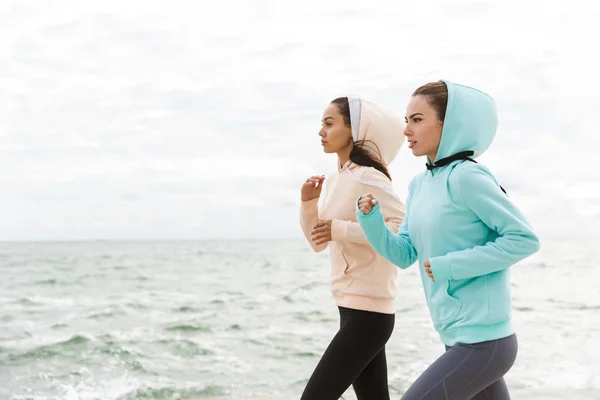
411	144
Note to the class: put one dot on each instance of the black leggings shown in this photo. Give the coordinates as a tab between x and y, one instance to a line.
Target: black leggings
355	356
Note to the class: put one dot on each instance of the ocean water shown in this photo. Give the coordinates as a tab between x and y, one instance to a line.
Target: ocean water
176	320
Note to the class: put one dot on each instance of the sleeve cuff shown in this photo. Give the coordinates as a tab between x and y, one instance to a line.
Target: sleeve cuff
374	215
339	229
441	269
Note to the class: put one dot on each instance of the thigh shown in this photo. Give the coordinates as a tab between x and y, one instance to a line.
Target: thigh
372	383
356	344
464	371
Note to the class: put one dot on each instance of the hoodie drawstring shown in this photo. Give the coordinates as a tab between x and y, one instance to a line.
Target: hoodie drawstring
463	155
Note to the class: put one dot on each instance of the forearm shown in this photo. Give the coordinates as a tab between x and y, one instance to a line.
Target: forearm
353	232
309	216
492	257
397	248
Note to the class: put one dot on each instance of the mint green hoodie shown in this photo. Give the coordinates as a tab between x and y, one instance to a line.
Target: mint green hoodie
460	220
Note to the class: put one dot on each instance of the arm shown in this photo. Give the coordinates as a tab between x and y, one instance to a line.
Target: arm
516	240
396	248
391	207
309	216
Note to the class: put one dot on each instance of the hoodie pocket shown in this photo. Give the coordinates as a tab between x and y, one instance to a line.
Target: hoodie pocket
358	269
339	279
444	307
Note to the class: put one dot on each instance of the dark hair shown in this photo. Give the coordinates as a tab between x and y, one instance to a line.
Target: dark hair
437	97
364	152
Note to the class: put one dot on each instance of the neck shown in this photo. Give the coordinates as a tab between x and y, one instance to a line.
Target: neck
344	155
432	157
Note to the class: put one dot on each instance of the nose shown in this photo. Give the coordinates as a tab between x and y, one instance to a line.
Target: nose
322	133
407	132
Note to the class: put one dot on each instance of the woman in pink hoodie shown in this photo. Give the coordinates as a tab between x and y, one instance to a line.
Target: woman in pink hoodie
366	139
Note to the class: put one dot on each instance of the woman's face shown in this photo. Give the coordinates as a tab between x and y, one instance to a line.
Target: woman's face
335	134
423	128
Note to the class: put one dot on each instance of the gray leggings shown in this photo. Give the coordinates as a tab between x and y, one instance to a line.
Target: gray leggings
468	372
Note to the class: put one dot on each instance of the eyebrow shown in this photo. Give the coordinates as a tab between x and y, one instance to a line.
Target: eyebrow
415	114
327	118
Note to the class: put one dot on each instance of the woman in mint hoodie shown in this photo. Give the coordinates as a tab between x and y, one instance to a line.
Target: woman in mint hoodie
465	233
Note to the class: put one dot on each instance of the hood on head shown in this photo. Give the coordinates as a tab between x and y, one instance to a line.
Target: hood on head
470	123
372	122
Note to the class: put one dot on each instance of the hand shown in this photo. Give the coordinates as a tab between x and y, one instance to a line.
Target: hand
321	232
311	189
366	203
427	266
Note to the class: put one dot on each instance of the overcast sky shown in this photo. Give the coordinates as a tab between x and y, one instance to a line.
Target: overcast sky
195	119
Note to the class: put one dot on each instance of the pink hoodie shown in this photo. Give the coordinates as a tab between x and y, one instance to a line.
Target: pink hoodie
360	278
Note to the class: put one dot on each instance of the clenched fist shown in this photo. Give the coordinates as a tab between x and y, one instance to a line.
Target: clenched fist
311	189
427	266
366	203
